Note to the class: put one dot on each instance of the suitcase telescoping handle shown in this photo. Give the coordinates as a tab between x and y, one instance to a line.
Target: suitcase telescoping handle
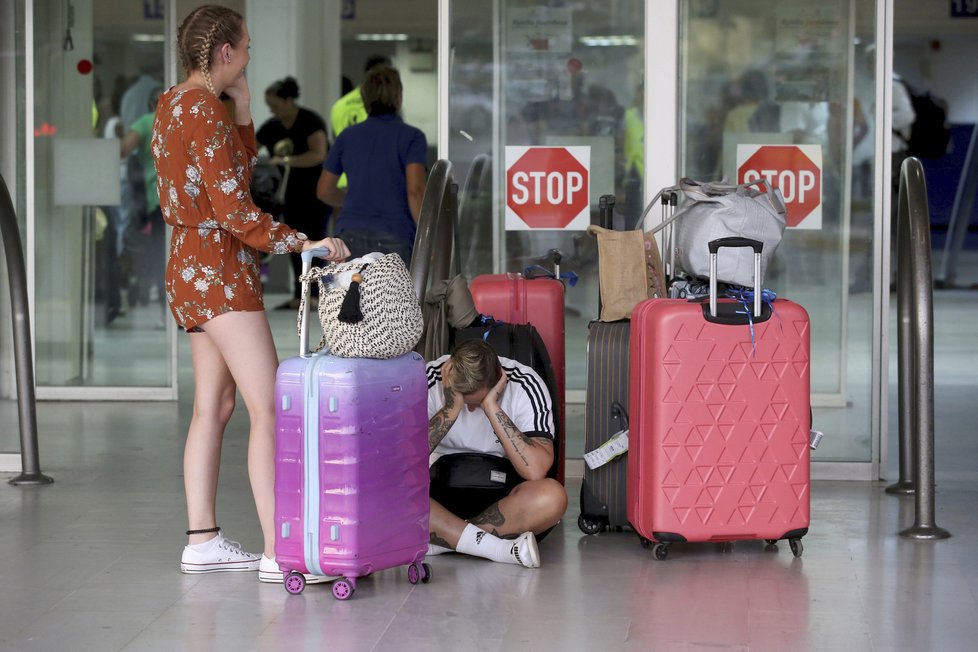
734	241
307	256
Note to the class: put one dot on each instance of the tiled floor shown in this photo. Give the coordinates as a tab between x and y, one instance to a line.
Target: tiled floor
90	563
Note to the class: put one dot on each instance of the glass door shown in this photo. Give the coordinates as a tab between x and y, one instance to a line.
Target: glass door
788	93
101	323
534	74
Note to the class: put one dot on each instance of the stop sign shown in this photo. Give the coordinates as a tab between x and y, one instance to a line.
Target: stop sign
547	187
794	169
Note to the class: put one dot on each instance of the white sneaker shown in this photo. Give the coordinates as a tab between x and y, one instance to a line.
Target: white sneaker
268	571
525	551
220	555
435	549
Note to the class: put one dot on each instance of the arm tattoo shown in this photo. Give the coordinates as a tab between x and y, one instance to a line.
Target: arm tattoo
514	435
438	427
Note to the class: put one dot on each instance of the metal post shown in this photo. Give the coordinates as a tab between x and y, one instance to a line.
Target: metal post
906	405
24	358
915	225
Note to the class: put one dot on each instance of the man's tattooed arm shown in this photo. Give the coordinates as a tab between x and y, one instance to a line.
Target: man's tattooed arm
520	441
439	425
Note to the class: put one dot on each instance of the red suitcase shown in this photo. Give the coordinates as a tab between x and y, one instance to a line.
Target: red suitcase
720	417
515	299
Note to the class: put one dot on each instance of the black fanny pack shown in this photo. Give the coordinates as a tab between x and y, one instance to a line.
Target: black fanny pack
466	483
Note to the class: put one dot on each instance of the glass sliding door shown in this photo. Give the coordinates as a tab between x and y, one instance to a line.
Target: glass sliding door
102	327
789	94
527	73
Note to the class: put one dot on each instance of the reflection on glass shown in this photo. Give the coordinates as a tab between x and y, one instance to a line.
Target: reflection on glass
100	309
782	78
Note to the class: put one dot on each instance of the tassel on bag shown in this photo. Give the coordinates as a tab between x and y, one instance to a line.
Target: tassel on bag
350	312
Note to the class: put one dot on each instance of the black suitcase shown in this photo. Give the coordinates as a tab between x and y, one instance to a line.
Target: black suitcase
605	413
521	342
603	489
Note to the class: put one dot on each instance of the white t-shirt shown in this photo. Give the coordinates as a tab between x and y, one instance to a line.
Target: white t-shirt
526	400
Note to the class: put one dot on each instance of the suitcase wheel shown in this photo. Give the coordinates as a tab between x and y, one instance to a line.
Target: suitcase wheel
295	582
796	547
419	573
660	551
770	542
343	588
588	526
646	543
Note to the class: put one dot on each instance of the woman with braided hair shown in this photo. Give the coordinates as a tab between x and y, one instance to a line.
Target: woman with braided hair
204	156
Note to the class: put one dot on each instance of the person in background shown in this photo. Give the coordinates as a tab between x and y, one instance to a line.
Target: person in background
204	157
385	160
296	140
147	237
479	402
349	109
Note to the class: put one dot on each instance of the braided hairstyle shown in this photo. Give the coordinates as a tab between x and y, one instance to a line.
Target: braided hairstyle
201	32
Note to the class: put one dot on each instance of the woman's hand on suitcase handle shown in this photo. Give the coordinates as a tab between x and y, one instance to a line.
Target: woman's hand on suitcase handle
338	251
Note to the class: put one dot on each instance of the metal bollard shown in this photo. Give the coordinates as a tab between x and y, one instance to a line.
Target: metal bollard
24	358
915	294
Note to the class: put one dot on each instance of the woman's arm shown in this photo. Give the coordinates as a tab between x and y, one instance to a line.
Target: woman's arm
328	191
415	174
313	158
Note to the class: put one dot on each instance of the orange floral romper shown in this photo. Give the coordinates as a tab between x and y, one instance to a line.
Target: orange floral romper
204	164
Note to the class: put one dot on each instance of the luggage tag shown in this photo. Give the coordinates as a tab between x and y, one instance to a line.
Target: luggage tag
814	439
616	445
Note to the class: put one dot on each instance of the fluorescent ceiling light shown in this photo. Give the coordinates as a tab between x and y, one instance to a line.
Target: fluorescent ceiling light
608	41
382	37
149	38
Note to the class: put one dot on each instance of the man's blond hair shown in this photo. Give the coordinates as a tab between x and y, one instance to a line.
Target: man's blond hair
474	366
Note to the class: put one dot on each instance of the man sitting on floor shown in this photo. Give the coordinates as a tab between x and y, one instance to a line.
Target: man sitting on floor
500	409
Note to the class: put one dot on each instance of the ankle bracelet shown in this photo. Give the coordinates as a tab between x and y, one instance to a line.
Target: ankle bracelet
207	531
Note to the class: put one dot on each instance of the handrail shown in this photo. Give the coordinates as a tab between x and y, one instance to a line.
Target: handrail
436	230
915	344
961	210
23	357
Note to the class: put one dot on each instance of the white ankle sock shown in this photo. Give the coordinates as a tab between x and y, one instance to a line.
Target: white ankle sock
476	541
435	549
205	546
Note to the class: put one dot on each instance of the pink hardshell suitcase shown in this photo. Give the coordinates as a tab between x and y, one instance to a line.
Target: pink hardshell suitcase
351	466
720	419
516	299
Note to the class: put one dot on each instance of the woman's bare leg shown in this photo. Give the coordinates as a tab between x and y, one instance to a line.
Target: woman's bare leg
247	348
213	403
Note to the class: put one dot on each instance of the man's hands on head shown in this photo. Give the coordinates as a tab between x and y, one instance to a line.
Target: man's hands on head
453	399
490	404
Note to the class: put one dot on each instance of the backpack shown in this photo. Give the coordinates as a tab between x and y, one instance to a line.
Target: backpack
930	133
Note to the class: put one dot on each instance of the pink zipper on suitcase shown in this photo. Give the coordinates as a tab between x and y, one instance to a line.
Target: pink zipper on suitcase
720	419
351	466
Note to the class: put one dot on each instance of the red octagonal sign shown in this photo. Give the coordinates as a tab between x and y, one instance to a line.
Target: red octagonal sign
794	169
546	188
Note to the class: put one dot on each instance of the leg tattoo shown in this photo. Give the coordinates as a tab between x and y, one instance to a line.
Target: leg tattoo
493	517
438	541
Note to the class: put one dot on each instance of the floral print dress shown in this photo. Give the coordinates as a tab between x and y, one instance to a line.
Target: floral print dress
204	164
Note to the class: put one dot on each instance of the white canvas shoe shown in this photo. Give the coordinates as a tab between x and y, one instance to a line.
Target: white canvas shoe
219	555
268	571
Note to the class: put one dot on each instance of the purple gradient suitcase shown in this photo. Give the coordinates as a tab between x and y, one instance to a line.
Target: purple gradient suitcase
351	467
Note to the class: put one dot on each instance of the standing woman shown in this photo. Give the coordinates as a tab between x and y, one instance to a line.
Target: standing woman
384	160
296	140
204	158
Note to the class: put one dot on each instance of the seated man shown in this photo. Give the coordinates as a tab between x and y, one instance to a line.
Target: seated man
481	403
